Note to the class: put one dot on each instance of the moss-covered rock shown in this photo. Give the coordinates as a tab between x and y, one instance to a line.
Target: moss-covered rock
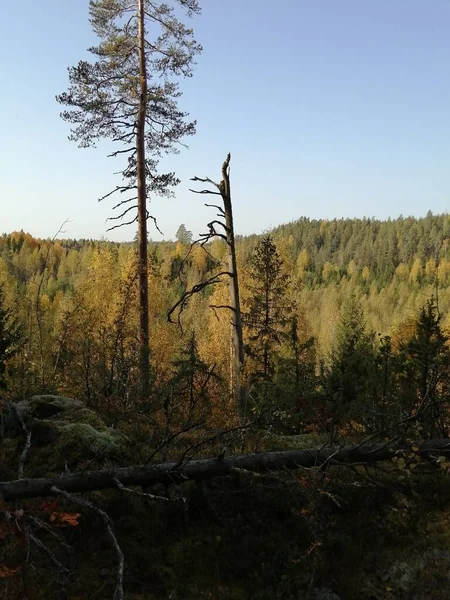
83	439
43	407
65	434
73	445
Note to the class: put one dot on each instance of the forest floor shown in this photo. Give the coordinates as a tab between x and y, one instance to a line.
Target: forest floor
344	533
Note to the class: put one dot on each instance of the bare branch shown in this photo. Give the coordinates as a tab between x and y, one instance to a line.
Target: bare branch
122	488
47	551
124	202
117	152
232	308
216	222
182	302
219	208
118	188
26	448
205	192
122	224
206	180
155	222
119	595
115	218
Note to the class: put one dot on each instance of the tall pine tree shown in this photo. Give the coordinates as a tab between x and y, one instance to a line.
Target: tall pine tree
129	95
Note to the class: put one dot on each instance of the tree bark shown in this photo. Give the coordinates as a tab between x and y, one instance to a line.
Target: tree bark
238	346
144	354
197	470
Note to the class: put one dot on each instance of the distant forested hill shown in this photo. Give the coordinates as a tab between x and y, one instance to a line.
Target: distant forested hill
375	250
391	266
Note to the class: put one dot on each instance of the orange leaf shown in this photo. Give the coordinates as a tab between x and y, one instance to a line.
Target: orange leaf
60	518
5	573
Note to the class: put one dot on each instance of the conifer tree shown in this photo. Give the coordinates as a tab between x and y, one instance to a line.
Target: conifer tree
268	308
183	235
425	369
296	379
190	371
186	403
385	409
351	368
129	95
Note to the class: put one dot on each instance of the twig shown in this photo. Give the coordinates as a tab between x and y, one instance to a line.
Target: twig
182	302
118	595
23	455
122	488
42	524
47	551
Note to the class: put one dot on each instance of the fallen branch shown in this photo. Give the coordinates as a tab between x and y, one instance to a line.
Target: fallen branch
118	595
198	470
26	448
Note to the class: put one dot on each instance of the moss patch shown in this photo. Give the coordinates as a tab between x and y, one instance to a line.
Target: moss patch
46	406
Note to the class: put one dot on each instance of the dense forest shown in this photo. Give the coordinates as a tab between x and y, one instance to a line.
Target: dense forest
229	417
346	339
64	289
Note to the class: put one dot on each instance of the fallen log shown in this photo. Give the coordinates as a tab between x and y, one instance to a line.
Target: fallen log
207	469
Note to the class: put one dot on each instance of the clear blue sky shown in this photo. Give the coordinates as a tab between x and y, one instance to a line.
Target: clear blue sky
331	108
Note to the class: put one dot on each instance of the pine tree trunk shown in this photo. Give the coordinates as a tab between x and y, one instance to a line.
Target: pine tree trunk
144	359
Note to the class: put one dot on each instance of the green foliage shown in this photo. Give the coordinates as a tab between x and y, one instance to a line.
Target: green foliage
191	384
300	397
183	235
11	334
424	370
88	314
267	307
103	96
261	538
385	398
65	434
351	367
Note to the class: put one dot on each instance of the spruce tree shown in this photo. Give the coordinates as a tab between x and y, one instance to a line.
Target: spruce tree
351	368
268	309
296	378
192	374
187	394
386	404
424	372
